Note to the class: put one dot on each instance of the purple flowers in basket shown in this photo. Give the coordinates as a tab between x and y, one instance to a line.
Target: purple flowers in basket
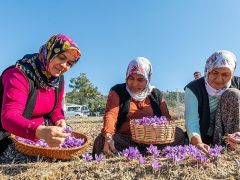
39	142
146	121
69	141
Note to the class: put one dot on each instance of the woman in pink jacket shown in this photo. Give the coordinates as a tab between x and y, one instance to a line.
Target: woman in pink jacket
44	70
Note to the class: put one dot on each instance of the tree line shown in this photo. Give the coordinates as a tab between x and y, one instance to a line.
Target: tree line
84	92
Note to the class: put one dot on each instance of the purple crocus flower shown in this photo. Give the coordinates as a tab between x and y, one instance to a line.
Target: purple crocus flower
179	153
155	164
87	157
99	157
131	153
153	151
202	158
215	151
42	143
176	153
192	150
69	142
142	160
146	121
67	129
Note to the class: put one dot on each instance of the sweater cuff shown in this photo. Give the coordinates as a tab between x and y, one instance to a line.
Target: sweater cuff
56	118
104	132
31	130
190	135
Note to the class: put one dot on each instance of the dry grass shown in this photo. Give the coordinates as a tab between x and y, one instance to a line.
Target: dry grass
118	167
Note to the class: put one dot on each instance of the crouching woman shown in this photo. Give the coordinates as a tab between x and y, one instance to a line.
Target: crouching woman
212	103
33	92
134	99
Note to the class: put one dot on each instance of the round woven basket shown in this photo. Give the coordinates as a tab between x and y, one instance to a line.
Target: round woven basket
57	153
153	134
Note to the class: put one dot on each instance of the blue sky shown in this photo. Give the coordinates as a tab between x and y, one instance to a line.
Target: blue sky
176	36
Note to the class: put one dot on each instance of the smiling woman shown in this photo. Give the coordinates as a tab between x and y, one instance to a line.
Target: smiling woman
212	103
61	63
33	92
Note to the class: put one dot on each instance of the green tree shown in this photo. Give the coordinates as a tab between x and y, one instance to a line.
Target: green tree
83	92
175	102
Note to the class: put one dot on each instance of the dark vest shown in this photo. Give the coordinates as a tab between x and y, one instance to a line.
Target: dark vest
155	98
199	90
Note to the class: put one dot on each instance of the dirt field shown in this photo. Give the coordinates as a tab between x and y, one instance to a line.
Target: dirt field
118	167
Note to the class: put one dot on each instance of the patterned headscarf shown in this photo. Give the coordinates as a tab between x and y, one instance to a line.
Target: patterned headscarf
222	58
141	66
35	65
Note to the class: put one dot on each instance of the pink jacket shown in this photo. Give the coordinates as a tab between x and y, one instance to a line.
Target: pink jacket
16	89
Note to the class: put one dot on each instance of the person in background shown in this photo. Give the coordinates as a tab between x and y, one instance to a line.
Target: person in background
212	102
137	93
45	70
197	75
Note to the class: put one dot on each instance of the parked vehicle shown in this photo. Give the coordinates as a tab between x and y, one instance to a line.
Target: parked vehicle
74	113
76	110
85	110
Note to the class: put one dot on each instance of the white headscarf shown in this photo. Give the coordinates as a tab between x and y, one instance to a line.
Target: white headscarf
141	66
222	58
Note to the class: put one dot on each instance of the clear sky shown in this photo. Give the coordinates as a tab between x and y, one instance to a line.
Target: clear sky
177	36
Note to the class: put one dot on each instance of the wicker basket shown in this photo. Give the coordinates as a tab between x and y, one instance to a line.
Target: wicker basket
57	153
153	134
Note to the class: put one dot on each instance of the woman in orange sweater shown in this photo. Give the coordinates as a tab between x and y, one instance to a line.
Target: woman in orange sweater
131	100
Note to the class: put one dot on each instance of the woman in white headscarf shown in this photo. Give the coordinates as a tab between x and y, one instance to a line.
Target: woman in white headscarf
212	102
134	99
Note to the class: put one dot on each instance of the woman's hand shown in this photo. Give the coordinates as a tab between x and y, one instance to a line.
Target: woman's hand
197	141
109	148
234	140
53	135
203	147
61	123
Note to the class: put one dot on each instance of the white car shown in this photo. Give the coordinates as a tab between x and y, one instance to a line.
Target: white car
77	110
74	113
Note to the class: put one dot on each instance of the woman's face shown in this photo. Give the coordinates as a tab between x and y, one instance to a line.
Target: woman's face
61	63
136	83
219	77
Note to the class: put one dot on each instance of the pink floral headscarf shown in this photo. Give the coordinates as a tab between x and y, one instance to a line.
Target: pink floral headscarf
141	66
35	65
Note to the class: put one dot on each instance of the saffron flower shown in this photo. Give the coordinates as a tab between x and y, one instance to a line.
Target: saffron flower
155	164
146	121
87	157
99	157
69	141
215	151
131	153
67	129
153	151
142	160
180	153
